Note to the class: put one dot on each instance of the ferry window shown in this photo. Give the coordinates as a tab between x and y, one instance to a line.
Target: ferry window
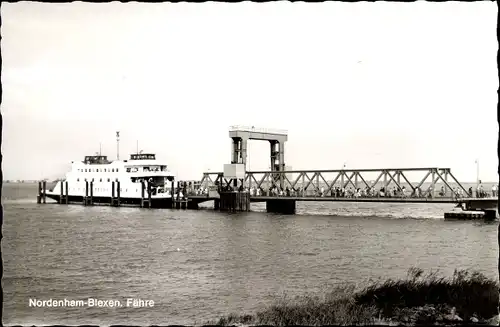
100	180
109	179
105	170
112	170
128	170
126	190
78	179
116	169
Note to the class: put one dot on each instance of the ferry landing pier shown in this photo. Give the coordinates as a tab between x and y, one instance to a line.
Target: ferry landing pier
235	188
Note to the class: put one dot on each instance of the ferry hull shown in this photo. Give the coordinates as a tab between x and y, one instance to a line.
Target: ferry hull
160	203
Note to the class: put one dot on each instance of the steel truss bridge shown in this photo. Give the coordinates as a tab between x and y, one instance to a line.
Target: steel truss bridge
324	183
436	185
281	187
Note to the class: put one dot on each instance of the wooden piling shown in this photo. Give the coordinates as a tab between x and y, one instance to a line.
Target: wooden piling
149	195
118	192
39	196
112	193
61	194
44	188
66	200
172	194
142	194
85	199
92	193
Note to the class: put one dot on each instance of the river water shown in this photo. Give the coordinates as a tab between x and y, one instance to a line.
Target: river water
198	265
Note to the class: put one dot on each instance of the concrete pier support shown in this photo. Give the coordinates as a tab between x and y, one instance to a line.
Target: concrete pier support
490	214
192	205
234	201
281	206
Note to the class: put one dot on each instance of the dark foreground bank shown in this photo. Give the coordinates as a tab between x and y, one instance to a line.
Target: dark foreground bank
466	297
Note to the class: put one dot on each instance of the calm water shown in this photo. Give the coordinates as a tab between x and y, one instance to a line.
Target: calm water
198	265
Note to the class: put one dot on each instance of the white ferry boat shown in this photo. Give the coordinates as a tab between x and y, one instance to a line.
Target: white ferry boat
140	168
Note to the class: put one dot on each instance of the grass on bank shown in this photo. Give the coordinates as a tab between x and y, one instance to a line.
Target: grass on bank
418	299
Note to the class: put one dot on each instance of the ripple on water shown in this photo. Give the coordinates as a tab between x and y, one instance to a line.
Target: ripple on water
225	263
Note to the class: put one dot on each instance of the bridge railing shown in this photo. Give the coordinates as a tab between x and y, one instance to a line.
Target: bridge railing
394	182
237	128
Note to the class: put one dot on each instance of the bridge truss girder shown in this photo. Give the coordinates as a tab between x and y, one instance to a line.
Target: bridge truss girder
317	180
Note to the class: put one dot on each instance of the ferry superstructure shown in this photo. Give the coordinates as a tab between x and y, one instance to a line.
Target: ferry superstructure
141	168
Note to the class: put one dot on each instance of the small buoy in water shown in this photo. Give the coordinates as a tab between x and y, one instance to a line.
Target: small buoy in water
178	249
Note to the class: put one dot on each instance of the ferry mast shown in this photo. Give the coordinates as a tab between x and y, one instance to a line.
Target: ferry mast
117	145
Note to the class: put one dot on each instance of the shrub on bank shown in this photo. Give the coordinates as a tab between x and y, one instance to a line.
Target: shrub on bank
467	296
470	293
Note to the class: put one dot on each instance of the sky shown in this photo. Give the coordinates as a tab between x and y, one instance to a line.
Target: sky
371	85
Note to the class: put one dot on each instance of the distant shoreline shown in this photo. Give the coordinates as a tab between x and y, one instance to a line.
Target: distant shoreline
55	181
24	181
